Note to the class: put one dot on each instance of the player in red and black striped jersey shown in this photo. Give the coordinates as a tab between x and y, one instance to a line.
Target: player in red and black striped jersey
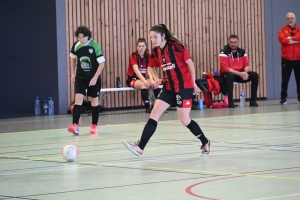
137	72
179	85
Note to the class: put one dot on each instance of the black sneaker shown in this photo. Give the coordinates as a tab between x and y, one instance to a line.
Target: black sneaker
282	101
253	103
231	104
195	106
148	110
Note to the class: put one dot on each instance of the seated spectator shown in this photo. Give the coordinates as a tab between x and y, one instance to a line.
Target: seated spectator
137	72
234	67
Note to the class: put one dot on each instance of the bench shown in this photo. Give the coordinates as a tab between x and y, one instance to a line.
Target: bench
106	91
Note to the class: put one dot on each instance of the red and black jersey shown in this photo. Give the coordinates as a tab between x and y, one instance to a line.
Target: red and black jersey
172	60
142	63
237	60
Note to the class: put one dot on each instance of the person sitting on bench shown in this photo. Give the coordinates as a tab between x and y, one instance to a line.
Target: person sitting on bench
137	72
234	67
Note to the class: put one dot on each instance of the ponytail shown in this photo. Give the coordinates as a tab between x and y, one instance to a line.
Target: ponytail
162	29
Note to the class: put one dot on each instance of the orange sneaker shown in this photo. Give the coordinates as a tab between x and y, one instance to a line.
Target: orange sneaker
74	129
93	129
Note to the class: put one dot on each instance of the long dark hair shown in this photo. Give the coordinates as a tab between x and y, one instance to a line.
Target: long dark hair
144	41
162	29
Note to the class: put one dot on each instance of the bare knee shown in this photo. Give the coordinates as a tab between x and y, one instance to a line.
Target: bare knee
78	99
94	101
185	121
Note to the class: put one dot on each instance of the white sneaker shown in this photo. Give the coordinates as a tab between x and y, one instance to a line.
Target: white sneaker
134	148
205	149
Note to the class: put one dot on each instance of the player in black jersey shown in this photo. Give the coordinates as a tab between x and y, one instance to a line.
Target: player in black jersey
179	75
88	59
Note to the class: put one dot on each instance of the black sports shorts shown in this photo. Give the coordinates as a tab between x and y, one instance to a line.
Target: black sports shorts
81	85
182	99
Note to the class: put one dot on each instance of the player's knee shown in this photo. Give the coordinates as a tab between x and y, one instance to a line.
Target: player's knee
78	100
185	121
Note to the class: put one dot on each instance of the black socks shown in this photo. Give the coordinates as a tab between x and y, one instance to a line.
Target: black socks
145	98
148	131
196	130
76	113
95	114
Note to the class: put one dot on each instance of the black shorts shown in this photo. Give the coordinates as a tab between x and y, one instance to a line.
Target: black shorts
131	78
182	99
81	85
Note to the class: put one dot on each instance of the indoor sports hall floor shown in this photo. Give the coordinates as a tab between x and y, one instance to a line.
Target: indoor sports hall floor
255	155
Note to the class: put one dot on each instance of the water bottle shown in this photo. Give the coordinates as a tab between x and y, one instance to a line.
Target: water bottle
45	107
201	104
50	106
37	107
242	98
203	75
118	82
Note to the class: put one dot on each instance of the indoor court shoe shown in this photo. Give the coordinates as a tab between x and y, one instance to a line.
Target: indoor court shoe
282	101
231	104
74	129
93	129
253	103
205	148
148	110
134	148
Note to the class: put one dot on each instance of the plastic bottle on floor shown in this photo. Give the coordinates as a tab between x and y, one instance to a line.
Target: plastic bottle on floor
242	98
50	106
201	104
37	106
45	108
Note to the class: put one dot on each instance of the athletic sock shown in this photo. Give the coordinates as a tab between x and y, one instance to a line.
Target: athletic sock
95	114
196	130
76	113
145	98
148	131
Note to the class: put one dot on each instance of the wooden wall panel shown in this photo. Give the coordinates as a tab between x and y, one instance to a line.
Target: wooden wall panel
203	25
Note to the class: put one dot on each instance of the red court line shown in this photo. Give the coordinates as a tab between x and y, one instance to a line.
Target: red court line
189	188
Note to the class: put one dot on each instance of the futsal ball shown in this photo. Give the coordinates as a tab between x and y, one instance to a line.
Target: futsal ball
70	153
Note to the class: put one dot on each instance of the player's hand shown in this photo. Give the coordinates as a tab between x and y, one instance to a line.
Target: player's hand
93	81
73	78
147	84
245	76
196	89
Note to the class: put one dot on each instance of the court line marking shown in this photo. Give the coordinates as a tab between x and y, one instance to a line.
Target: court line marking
160	168
276	197
109	138
242	149
188	190
173	120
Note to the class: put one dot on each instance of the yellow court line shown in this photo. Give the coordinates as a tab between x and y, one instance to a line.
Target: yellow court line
107	164
174	120
198	171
